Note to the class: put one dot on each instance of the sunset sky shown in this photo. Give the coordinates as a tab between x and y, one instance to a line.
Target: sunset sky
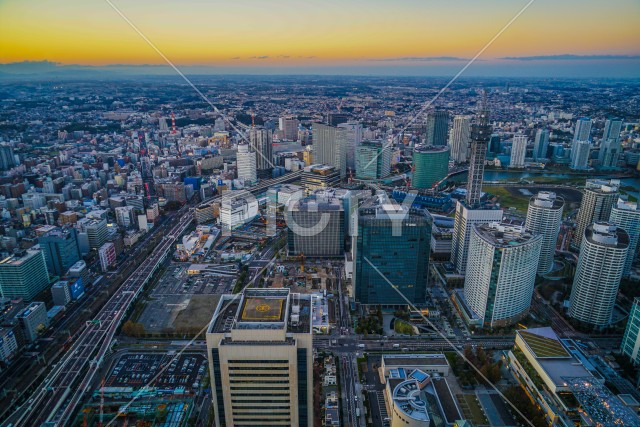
315	34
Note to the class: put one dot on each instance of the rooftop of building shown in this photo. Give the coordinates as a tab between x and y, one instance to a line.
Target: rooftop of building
547	199
543	343
626	205
603	186
315	203
424	148
20	258
607	234
381	206
407	396
28	310
320	169
549	352
504	235
263	309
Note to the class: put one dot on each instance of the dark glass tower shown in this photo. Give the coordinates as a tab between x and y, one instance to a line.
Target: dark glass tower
391	251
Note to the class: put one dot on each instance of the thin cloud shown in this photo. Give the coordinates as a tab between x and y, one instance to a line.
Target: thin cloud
421	59
570	57
235	57
260	57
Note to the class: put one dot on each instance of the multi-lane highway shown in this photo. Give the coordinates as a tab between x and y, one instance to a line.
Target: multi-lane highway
62	391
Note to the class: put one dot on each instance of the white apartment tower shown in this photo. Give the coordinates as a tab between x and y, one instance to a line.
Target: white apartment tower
544	217
598	200
465	220
582	132
595	285
518	151
246	161
501	272
626	215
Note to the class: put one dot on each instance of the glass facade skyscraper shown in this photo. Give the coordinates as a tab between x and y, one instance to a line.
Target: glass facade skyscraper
61	250
391	253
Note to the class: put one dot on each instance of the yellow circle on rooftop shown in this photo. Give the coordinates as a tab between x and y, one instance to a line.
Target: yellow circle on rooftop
263	307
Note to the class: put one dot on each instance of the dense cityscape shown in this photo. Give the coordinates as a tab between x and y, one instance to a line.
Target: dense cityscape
307	251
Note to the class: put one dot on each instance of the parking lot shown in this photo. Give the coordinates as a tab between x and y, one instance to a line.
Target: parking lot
139	370
176	281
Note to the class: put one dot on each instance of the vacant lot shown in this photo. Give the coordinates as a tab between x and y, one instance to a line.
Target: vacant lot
197	314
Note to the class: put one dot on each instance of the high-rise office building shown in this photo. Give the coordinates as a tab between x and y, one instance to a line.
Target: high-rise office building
495	145
626	215
236	209
125	216
518	151
544	217
580	155
610	145
391	253
597	202
23	275
609	155
289	127
373	160
330	146
582	132
107	256
430	165
260	350
335	119
261	141
459	139
595	285
612	128
60	248
501	272
437	128
318	177
316	227
95	230
246	160
541	145
353	139
33	320
631	339
7	158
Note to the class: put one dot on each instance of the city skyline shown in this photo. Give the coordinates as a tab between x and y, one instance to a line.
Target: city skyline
403	38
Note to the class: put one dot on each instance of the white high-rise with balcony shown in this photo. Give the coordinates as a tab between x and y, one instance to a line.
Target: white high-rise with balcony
544	217
246	161
627	216
518	151
501	272
595	285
